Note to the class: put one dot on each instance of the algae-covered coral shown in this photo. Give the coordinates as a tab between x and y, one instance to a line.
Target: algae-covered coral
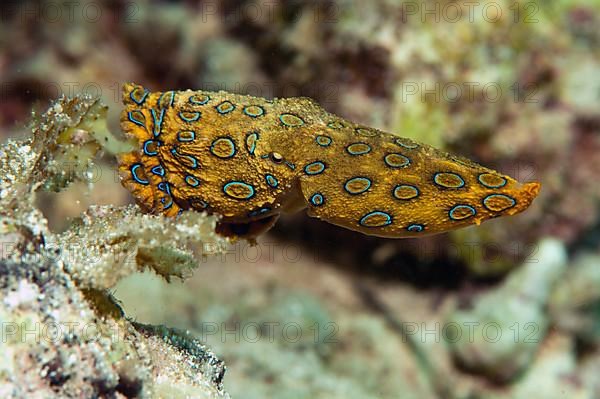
63	334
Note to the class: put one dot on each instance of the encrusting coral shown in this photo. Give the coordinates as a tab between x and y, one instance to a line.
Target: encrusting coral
65	336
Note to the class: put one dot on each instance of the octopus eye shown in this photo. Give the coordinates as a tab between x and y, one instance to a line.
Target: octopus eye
276	157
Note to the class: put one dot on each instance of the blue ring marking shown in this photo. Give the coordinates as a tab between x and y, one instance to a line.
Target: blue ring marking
323	141
335	125
195	116
134	169
290	165
193	99
435	180
170	103
504	181
410	146
261	111
201	203
271	180
358	152
196	202
164	186
399	186
251	139
368	132
297	121
512	200
391	164
141	101
229	107
186	136
157	121
318	164
158	170
387	216
457	208
229	141
260	211
134	120
193	160
415	228
192	181
265	156
148	152
167	206
365	180
250	188
317	199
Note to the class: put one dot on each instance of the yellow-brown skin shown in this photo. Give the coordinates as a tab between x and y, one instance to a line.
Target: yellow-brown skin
249	159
